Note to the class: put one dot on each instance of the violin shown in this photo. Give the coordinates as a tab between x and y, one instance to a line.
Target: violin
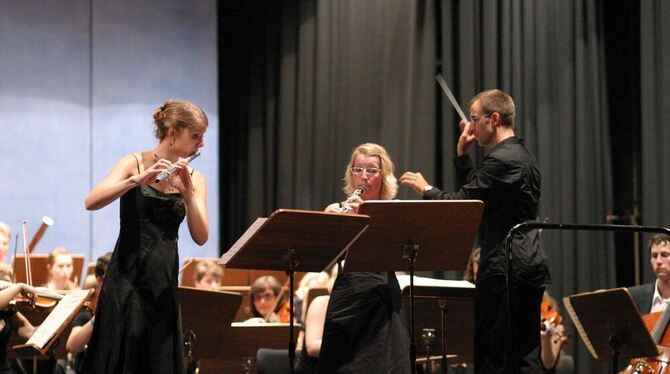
549	313
45	299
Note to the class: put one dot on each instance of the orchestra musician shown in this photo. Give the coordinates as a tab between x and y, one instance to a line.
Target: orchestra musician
208	275
12	320
59	268
364	330
137	325
82	326
654	296
508	182
263	299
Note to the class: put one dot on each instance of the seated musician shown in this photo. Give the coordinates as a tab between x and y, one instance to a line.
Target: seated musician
82	326
306	360
653	297
59	268
552	339
208	275
263	299
5	237
10	319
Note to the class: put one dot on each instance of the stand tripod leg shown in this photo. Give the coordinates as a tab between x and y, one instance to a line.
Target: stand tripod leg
443	332
409	253
292	261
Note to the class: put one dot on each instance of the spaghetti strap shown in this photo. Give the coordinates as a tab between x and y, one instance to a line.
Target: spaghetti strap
138	163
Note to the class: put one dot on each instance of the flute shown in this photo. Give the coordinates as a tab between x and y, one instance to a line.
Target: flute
357	192
167	172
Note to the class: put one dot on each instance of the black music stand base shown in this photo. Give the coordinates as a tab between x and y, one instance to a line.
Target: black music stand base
615	344
292	262
409	253
443	330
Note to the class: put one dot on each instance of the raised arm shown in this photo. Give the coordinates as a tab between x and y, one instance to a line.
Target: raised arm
193	188
122	178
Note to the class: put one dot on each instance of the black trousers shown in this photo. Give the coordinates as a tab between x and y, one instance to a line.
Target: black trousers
491	326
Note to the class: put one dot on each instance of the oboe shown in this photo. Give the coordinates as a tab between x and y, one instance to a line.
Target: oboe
167	172
357	192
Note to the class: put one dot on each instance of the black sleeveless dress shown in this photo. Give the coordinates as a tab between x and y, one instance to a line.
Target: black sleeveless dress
137	326
365	329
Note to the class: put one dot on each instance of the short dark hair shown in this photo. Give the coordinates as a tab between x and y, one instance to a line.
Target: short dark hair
658	239
497	101
102	264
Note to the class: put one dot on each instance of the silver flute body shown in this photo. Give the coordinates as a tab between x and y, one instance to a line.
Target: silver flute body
357	192
165	174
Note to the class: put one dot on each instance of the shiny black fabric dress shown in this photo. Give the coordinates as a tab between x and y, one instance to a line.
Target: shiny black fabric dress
137	326
365	329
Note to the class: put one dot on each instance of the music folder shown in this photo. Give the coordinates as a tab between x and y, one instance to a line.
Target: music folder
608	317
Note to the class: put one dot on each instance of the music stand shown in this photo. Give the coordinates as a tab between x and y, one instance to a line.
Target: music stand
433	297
610	325
206	318
294	239
444	231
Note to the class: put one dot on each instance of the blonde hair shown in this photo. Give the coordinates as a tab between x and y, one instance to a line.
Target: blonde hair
57	252
6	271
389	181
177	115
207	267
5	230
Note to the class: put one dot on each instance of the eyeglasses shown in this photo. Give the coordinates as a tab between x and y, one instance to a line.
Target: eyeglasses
369	171
477	119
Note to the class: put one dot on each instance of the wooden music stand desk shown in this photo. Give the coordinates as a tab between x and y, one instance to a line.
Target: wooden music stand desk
292	240
206	318
610	325
415	236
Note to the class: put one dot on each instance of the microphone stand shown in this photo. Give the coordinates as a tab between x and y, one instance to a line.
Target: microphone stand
512	359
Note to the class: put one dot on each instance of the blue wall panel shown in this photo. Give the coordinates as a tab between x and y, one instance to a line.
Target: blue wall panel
78	83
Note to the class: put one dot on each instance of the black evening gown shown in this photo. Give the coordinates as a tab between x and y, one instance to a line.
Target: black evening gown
365	329
137	326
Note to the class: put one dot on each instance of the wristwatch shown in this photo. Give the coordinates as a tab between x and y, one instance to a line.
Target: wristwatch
427	188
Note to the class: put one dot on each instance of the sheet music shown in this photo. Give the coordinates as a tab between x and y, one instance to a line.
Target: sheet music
65	308
403	281
244	238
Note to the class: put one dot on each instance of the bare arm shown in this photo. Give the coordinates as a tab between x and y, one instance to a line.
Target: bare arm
79	337
194	191
314	321
9	293
120	180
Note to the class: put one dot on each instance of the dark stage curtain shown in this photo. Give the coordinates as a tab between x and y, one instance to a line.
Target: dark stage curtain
655	113
306	81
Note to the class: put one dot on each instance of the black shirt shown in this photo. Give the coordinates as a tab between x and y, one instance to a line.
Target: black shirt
81	319
508	182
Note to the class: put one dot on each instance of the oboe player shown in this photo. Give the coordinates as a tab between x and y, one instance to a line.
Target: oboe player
137	325
364	331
